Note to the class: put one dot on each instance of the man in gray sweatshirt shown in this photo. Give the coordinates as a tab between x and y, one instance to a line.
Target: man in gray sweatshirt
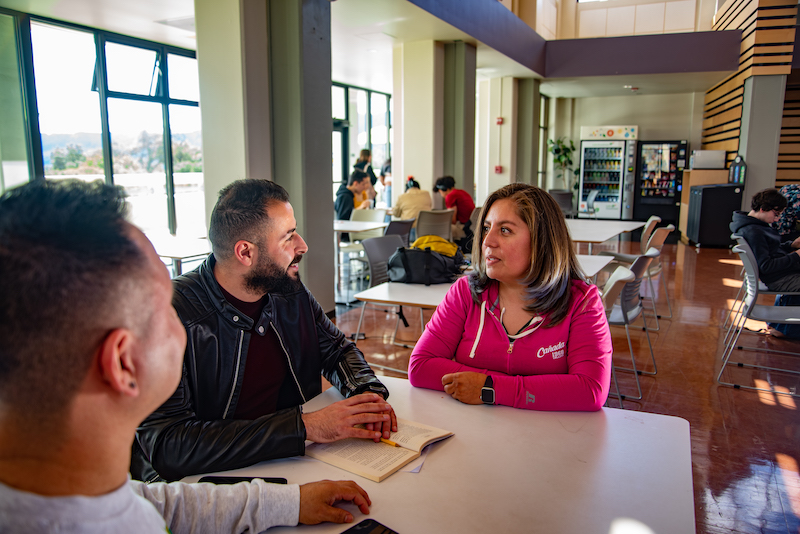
90	346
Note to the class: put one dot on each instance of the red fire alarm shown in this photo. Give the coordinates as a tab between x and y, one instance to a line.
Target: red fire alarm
499	120
498	169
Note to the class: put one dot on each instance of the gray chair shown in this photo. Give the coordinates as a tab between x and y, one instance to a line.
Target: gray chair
401	228
564	199
435	222
591	210
628	310
611	291
757	312
655	241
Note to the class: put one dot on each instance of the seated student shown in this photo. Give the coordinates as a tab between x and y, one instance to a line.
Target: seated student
463	204
90	346
410	203
347	198
525	329
364	164
787	224
259	344
778	259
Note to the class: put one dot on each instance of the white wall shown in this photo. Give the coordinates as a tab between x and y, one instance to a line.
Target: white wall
636	17
496	143
659	117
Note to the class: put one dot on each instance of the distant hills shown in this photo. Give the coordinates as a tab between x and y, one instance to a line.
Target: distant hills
90	142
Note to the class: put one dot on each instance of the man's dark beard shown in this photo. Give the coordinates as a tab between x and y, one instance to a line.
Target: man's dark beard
269	277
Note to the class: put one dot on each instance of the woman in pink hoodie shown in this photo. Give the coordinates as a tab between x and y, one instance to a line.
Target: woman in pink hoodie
525	329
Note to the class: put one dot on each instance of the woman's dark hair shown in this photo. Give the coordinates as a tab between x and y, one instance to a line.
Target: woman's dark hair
411	183
445	183
364	154
768	199
553	262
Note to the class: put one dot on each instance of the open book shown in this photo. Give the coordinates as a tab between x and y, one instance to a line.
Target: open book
377	461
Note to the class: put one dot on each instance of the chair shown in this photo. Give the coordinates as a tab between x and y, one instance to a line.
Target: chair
354	246
476	213
757	312
435	222
655	241
620	277
401	228
378	251
564	199
590	209
628	310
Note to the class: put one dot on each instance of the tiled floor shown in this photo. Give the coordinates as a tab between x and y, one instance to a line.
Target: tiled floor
745	446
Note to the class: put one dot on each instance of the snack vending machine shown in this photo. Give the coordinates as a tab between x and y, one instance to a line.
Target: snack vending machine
659	180
608	165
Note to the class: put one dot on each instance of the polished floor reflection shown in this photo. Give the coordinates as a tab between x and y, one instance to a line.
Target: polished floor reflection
745	445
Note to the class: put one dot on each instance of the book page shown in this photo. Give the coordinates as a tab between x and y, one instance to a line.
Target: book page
371	460
415	436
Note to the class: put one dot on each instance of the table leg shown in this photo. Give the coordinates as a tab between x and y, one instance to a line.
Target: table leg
177	267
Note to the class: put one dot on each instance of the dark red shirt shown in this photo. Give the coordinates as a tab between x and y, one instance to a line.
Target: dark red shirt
265	365
463	203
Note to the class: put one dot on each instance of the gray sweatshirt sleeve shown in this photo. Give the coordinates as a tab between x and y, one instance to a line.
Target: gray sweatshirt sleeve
243	507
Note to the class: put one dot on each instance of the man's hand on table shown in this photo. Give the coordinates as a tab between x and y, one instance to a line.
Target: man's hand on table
464	386
317	501
339	420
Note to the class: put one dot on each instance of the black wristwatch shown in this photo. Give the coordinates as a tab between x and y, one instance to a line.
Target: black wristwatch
487	391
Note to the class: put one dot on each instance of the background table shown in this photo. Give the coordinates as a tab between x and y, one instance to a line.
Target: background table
593	231
180	249
513	470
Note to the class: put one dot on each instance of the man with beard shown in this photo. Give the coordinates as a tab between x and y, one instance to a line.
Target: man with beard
258	342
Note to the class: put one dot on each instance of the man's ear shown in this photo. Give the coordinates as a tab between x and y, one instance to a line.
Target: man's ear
117	359
245	253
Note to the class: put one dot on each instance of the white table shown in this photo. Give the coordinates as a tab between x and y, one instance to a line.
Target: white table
512	470
180	249
591	264
593	231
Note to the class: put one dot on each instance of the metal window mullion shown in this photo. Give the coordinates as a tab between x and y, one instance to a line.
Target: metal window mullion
163	86
33	135
102	89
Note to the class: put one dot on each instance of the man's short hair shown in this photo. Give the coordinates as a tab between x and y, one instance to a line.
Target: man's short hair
768	199
69	270
241	214
357	177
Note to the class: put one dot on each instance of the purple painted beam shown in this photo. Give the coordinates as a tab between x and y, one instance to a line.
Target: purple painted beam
493	25
644	54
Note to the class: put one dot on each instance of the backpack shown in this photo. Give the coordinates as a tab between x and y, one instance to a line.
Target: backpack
415	266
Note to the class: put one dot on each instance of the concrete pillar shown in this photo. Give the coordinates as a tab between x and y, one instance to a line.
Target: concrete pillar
498	142
264	68
459	114
759	137
418	112
528	141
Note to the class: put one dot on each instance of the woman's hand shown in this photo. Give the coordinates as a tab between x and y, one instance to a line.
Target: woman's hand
465	386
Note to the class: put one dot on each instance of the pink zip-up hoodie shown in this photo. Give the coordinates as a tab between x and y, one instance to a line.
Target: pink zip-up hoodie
563	367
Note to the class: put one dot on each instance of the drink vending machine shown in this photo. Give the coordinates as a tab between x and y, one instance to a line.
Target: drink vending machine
608	166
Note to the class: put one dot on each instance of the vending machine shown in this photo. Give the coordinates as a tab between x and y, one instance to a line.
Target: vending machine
608	166
659	177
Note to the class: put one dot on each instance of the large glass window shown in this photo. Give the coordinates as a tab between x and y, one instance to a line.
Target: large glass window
69	108
13	149
151	142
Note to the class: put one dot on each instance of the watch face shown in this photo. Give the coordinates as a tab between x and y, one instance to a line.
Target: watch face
487	395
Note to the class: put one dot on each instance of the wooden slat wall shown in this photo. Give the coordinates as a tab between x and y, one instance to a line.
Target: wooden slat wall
789	151
768	28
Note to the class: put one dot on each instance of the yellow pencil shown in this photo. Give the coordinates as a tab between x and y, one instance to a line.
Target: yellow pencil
389	442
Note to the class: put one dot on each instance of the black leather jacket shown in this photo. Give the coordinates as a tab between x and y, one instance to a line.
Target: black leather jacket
193	431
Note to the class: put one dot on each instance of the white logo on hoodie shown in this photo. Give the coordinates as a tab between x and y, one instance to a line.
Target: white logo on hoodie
557	350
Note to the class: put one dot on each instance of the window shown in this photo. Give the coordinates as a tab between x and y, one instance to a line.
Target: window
13	149
110	107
